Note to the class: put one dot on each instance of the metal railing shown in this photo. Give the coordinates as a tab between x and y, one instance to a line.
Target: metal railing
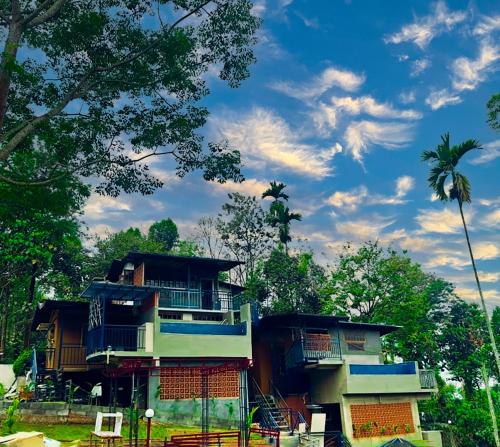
327	439
427	379
308	349
294	417
196	299
117	337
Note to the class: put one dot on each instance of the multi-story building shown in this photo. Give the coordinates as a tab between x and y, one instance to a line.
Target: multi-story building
169	314
328	364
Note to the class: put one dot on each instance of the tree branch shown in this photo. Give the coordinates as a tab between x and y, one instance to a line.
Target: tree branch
35	19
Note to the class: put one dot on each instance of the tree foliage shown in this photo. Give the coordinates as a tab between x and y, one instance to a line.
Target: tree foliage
164	232
94	89
493	106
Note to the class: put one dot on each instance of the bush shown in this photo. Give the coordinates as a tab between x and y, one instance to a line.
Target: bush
21	363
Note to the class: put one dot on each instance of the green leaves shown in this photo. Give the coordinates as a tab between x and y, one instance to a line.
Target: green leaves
444	161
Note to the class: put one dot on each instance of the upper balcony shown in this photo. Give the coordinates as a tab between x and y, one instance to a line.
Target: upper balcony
196	299
394	378
314	350
118	338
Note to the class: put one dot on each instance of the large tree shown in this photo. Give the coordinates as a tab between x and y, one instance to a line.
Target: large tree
94	89
445	159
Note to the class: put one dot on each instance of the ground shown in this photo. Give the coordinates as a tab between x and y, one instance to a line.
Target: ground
69	433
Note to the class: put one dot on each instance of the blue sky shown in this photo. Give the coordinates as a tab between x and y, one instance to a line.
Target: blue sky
342	100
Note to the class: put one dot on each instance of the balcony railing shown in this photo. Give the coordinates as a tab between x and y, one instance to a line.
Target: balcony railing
196	299
427	379
67	356
116	337
312	348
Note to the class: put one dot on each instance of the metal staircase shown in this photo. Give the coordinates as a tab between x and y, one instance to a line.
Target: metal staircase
274	412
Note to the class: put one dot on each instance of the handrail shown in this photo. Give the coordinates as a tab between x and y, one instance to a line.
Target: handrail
266	415
282	404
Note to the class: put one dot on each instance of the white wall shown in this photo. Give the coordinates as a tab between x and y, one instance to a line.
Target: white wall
6	376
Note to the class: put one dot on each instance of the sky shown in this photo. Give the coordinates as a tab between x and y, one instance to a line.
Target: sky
343	98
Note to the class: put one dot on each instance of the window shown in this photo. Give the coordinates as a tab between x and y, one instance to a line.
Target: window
355	340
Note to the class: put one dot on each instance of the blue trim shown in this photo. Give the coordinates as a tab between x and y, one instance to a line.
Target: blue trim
204	329
396	368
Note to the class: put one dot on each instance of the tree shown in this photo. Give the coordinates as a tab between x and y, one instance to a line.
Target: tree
493	106
279	214
284	284
243	229
94	89
208	236
445	160
164	232
275	191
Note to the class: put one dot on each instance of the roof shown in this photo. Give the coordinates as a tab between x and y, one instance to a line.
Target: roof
45	308
398	442
136	257
320	322
113	291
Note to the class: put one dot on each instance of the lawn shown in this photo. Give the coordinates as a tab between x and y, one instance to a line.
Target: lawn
68	433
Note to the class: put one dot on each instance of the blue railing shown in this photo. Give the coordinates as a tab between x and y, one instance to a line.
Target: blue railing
204	329
395	368
117	337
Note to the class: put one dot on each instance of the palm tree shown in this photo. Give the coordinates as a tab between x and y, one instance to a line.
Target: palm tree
445	160
282	217
275	191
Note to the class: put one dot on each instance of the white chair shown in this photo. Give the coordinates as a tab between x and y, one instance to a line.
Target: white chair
108	435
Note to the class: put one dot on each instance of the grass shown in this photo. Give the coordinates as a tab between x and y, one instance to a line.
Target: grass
68	433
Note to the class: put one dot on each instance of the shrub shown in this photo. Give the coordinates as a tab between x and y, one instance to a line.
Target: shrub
21	363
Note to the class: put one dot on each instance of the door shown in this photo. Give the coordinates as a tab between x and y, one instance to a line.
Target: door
333	418
206	293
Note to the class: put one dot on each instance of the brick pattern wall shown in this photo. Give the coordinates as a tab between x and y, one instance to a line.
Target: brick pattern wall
382	419
185	383
318	342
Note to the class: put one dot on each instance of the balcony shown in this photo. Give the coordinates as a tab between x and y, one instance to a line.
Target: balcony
394	378
313	349
116	337
196	299
66	357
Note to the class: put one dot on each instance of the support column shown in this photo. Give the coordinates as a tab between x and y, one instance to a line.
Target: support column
243	388
205	418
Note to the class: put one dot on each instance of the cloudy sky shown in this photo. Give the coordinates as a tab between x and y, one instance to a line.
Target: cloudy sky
344	97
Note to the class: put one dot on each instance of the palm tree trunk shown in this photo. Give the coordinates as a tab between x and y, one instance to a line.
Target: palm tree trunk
486	381
483	304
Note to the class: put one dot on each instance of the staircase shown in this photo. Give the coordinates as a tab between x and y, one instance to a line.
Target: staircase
272	416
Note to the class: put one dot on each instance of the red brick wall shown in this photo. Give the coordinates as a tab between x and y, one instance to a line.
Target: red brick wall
185	383
382	419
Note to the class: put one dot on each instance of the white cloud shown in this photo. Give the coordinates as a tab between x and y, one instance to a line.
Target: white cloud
360	135
407	97
330	77
490	152
446	260
489	202
467	73
489	276
99	206
349	201
492	219
419	66
265	138
424	29
363	229
259	8
368	105
485	250
444	221
324	119
442	98
251	186
471	293
404	185
487	25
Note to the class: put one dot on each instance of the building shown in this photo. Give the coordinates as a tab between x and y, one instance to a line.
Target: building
328	364
173	320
